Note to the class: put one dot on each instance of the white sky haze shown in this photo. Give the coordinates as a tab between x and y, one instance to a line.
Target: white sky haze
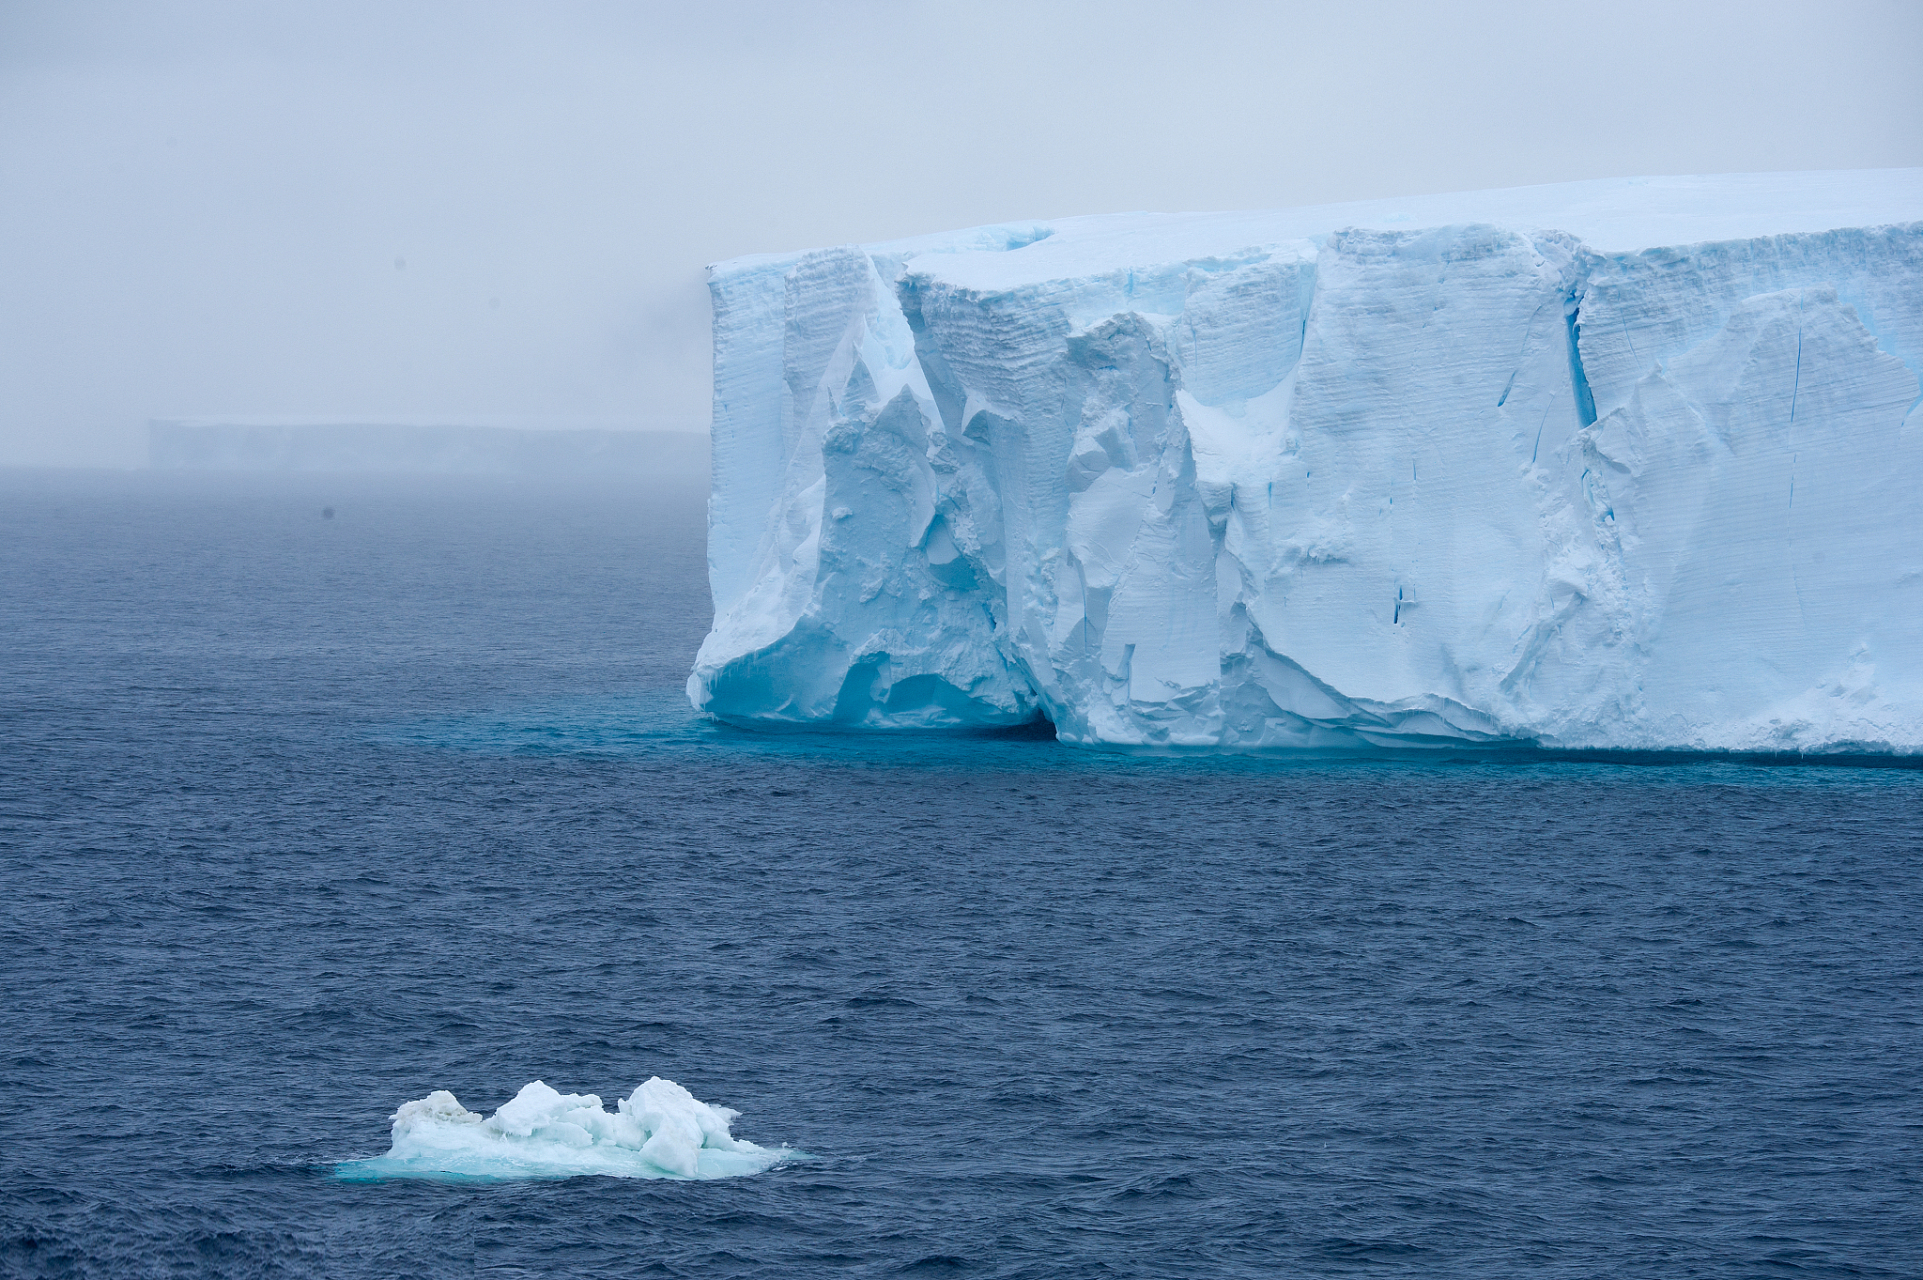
500	213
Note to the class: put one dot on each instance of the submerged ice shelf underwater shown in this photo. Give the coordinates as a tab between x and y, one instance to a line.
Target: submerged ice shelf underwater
1629	464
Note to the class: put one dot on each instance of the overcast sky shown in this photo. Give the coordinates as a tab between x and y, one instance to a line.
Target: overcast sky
493	212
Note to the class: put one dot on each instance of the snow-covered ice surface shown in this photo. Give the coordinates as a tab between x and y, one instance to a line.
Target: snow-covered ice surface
661	1131
1629	464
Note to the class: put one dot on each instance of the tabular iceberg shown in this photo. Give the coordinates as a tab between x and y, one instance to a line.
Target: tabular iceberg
1630	464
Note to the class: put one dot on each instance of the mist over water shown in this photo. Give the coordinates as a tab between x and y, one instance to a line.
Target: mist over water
302	818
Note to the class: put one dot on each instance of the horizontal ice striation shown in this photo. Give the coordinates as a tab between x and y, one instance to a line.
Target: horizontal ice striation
661	1131
1627	464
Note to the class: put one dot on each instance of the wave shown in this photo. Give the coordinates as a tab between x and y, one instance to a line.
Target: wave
660	1131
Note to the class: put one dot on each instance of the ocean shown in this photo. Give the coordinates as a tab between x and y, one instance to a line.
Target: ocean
304	815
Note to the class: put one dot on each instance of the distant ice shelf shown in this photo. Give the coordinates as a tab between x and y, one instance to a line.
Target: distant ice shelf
423	449
1630	464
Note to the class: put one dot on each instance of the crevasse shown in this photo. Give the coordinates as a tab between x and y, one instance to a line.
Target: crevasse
1629	464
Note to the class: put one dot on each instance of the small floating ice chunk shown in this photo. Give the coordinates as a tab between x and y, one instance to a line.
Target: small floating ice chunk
659	1131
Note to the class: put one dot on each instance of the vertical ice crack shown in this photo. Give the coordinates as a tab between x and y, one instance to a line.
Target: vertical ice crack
1795	388
1797	385
1578	376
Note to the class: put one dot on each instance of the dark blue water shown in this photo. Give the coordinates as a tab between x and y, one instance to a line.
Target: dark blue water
302	818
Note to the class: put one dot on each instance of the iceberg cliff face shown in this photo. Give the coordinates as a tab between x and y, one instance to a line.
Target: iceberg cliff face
1625	464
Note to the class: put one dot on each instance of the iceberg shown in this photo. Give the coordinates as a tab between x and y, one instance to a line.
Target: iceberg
661	1131
1624	465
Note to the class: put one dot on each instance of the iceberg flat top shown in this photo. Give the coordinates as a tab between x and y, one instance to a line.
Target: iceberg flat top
1610	215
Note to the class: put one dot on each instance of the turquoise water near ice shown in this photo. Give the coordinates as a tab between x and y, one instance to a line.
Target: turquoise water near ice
302	818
